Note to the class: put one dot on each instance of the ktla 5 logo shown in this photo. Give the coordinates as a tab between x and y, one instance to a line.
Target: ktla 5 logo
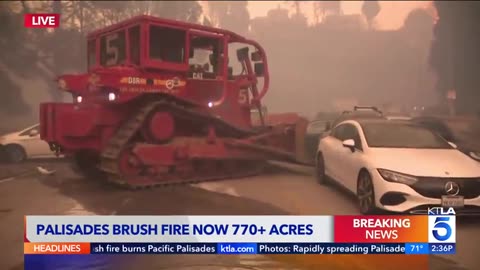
441	229
42	20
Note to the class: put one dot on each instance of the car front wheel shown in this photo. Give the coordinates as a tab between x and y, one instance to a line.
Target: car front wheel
366	194
320	170
15	153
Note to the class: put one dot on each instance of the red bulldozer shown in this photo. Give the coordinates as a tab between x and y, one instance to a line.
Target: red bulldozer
161	104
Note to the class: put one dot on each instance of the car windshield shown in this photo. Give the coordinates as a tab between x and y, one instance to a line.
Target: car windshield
465	128
30	127
402	135
317	127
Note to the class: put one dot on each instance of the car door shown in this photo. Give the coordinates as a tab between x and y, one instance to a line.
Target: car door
330	145
34	146
350	162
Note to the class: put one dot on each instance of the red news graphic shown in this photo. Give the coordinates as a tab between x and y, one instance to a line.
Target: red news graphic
381	229
42	20
56	248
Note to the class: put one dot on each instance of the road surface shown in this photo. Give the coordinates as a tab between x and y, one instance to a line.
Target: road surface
297	192
279	191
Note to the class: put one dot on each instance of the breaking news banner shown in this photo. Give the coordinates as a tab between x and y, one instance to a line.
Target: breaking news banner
67	235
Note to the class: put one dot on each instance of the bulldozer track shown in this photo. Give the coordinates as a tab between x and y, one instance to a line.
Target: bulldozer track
109	159
119	181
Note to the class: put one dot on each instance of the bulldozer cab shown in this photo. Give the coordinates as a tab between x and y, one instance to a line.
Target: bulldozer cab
206	57
193	58
197	51
138	43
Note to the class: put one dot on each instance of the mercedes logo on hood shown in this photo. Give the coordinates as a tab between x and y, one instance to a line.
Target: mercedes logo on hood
452	188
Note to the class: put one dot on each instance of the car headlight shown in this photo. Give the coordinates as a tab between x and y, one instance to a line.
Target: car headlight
397	177
475	155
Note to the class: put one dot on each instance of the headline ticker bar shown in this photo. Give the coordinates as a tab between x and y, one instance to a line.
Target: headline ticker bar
239	248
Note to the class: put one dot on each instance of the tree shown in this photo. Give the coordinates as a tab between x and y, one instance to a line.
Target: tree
239	17
454	53
231	15
178	10
417	30
296	5
13	41
321	9
298	19
44	54
419	22
218	11
370	10
207	22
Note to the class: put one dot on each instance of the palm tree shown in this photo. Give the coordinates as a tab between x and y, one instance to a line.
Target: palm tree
370	10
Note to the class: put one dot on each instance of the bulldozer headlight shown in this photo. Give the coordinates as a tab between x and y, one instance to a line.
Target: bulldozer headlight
210	104
79	99
112	96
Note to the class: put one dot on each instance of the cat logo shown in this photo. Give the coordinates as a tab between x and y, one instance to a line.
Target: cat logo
198	75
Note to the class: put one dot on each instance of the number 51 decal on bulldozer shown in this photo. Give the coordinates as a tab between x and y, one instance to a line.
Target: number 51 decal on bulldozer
243	96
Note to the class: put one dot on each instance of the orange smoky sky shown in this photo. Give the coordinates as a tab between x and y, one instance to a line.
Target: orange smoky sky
391	16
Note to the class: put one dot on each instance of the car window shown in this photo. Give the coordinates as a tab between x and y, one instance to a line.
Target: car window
348	131
351	132
317	127
339	132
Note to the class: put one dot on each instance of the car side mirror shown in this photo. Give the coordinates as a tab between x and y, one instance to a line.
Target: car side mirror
350	143
33	133
453	145
259	69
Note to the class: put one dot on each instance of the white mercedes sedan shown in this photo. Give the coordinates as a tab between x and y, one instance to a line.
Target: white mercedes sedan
398	166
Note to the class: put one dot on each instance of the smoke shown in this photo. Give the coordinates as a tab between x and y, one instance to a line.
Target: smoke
314	66
341	60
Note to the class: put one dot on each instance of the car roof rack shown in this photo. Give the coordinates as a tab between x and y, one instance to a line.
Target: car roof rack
372	108
358	113
364	108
